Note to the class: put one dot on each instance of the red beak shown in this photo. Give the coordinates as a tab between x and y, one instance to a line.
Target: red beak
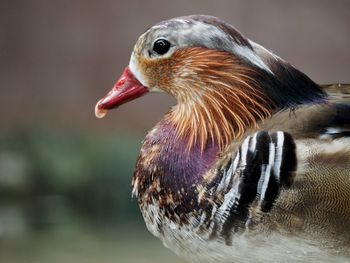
126	89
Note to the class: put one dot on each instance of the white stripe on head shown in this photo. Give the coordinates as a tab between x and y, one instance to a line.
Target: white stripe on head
206	32
135	70
260	50
186	32
251	56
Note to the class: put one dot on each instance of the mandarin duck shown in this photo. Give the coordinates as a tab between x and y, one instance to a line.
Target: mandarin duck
253	162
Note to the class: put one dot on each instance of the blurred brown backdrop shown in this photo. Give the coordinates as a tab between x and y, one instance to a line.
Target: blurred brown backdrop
58	57
64	175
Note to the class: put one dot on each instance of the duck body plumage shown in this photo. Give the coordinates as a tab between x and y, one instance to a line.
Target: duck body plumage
188	199
253	163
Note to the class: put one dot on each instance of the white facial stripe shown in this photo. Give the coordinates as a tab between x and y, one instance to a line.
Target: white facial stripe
138	75
251	56
208	31
186	33
260	49
135	70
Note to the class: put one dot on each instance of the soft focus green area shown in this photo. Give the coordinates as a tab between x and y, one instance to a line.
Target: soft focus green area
67	198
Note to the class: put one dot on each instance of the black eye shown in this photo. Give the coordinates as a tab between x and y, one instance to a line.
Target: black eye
161	46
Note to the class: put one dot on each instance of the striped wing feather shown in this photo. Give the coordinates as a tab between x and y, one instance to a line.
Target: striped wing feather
293	174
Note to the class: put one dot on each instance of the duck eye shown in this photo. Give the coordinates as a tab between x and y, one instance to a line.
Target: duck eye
161	46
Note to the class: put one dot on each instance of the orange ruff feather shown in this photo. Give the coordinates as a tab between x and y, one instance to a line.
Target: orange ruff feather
217	98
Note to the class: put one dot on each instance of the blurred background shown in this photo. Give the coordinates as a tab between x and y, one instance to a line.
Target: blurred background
65	193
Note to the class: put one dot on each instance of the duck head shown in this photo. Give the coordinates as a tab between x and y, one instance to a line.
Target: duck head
223	82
